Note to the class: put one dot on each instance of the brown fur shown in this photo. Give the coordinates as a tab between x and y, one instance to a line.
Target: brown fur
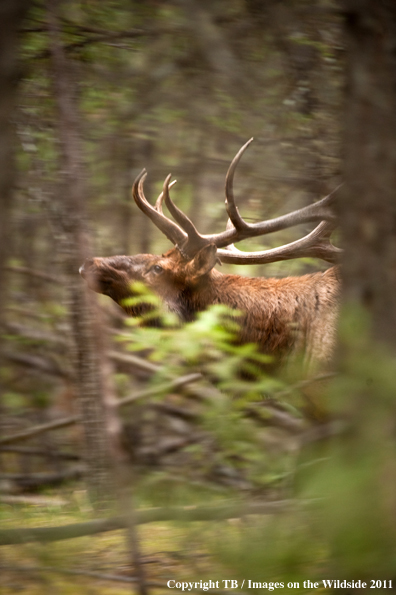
283	316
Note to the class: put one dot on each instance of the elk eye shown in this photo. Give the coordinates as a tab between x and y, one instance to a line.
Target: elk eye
157	269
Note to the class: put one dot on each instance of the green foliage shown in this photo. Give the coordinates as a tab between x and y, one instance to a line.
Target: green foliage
143	297
340	524
208	344
271	549
234	375
354	480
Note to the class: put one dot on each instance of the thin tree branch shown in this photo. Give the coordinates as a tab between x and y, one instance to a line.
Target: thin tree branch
100	38
133	360
39	480
151	515
40	429
33	500
46	366
162	388
34	273
40	452
68	421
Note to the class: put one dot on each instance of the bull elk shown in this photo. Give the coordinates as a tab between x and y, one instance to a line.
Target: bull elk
289	315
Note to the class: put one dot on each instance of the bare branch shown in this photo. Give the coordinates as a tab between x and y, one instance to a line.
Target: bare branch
224	511
34	273
40	429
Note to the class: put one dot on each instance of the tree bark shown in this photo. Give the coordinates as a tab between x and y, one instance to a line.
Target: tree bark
11	16
358	480
368	208
89	350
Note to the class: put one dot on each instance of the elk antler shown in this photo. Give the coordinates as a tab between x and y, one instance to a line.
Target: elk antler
172	231
187	238
315	244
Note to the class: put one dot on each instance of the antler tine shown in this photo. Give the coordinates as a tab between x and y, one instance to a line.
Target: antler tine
176	213
315	244
160	199
172	231
195	240
318	211
240	229
315	212
187	238
231	207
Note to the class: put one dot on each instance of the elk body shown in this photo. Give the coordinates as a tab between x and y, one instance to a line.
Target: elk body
283	316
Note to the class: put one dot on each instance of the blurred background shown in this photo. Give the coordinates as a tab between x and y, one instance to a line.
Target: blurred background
94	420
178	87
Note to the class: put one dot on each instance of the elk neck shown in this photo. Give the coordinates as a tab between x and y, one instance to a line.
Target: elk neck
275	312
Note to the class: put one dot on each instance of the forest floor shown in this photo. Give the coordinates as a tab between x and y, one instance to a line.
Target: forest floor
100	563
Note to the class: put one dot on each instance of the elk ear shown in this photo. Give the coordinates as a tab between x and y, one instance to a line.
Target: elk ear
203	261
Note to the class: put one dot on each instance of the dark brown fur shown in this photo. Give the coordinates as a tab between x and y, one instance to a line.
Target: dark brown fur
290	315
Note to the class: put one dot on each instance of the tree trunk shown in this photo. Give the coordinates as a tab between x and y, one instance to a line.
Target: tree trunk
368	208
11	16
358	481
89	351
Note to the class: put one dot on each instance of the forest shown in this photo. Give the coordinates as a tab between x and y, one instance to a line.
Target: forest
197	391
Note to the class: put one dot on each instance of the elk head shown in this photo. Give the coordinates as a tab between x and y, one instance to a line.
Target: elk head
184	277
